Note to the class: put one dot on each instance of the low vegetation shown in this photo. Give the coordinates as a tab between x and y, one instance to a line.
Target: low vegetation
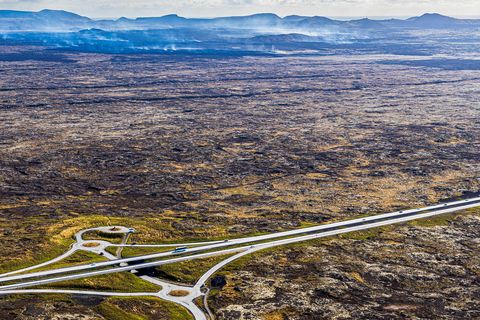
178	293
257	145
117	282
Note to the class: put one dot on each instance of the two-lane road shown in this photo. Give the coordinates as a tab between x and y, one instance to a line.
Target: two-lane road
254	244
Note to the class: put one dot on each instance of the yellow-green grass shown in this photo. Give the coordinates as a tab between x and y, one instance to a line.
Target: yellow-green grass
35	257
140	251
179	293
98	235
364	235
367	234
78	258
444	219
57	238
112	250
110	310
120	308
117	282
113	312
190	271
58	297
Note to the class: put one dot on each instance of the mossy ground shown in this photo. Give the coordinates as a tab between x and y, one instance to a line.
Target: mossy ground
190	271
79	257
114	309
365	235
139	251
112	312
57	238
118	282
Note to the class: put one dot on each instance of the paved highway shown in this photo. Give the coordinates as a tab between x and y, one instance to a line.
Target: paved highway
243	246
412	213
318	232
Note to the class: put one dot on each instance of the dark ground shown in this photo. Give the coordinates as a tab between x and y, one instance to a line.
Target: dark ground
229	146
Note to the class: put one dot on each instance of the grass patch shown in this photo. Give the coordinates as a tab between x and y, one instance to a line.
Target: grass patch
444	219
98	235
79	257
357	277
112	312
114	309
57	297
52	241
118	282
48	251
112	250
178	293
140	251
91	244
190	271
367	234
359	235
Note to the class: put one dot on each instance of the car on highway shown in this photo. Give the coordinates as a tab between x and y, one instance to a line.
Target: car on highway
180	249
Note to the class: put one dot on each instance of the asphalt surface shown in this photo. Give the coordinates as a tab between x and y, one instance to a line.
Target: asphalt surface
452	206
197	251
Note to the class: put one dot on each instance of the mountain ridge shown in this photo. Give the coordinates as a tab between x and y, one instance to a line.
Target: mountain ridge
60	20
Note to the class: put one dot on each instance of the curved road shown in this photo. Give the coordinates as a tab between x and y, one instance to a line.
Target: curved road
407	215
202	250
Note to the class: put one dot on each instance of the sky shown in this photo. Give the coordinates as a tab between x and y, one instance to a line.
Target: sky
215	8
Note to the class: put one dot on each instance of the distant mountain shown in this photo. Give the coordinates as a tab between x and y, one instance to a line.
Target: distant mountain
365	24
171	20
57	20
434	20
294	19
310	23
261	19
45	20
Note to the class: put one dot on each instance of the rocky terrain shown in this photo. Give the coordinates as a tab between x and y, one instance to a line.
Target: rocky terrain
420	271
216	147
59	307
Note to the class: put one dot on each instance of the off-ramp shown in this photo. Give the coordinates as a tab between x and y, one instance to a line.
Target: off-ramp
15	280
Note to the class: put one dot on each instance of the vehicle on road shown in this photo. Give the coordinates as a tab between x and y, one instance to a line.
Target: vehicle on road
180	249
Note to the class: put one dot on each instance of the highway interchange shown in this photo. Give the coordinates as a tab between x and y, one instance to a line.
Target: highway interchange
16	281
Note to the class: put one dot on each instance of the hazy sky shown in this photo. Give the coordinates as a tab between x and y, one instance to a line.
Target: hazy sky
210	8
